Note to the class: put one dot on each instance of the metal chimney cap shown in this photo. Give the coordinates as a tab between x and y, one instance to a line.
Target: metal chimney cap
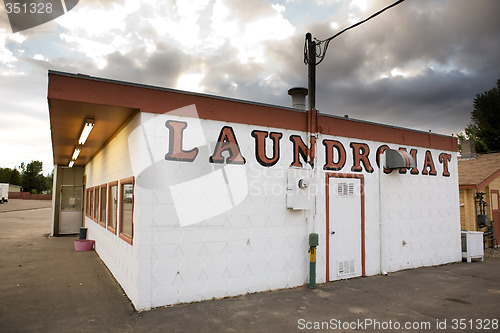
298	90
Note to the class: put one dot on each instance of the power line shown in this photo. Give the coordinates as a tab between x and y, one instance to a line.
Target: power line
322	48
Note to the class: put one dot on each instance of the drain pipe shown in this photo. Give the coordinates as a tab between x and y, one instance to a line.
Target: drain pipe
312	133
299	102
381	210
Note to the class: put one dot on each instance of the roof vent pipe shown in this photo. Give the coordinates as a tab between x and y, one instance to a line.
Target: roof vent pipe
298	97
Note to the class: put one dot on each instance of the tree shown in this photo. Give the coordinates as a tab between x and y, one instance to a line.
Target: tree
15	177
32	177
5	175
11	176
49	179
29	177
484	128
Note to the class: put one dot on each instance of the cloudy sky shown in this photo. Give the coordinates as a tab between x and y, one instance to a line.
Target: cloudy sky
418	65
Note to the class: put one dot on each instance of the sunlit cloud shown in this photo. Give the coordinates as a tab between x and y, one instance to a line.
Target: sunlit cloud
7	57
405	68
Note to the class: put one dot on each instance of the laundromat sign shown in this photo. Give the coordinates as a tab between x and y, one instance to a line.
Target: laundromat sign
335	152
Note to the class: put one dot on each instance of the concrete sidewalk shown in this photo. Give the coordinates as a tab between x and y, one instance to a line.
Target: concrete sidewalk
47	287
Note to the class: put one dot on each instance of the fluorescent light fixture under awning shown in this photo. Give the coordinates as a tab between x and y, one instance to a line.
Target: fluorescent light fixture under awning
76	153
87	128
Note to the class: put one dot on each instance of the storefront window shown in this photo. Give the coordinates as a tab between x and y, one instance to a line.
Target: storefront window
102	216
126	209
91	202
87	203
113	205
96	205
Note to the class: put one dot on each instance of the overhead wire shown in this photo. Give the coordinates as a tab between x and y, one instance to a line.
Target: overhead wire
322	51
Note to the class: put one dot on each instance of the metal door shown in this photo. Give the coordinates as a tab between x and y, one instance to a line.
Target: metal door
345	225
71	209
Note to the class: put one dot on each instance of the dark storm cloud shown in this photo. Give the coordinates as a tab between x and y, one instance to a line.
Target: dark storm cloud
162	68
418	65
431	100
449	50
230	78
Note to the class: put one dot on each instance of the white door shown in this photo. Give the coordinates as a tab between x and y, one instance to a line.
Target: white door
344	228
71	209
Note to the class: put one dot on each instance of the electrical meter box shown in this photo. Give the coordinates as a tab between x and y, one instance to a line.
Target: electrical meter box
298	196
313	239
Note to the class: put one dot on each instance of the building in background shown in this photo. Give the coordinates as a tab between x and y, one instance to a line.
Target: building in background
479	174
15	188
191	196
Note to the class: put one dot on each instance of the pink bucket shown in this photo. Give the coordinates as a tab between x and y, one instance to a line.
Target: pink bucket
84	244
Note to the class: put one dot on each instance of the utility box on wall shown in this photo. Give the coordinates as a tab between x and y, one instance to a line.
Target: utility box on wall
298	190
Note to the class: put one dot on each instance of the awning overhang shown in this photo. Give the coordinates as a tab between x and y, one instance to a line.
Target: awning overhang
68	113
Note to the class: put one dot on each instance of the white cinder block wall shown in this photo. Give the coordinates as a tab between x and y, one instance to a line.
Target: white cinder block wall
204	230
252	243
420	213
112	164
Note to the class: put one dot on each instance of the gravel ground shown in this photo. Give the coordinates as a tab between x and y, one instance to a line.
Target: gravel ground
492	253
18	204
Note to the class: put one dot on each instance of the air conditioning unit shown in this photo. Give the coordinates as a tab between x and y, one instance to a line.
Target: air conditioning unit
472	245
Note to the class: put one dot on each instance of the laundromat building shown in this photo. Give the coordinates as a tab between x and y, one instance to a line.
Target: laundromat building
192	197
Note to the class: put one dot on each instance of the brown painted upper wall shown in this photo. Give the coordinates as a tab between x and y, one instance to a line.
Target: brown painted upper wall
157	100
82	88
376	132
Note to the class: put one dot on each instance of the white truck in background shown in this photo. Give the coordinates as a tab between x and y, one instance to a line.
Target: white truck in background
4	192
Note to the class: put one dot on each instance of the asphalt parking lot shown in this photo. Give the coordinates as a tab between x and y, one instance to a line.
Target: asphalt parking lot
48	287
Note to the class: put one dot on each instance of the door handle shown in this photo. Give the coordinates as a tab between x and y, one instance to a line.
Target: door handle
333	232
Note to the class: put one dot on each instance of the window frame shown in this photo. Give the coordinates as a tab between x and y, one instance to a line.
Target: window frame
87	202
91	203
125	237
97	204
109	207
103	217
